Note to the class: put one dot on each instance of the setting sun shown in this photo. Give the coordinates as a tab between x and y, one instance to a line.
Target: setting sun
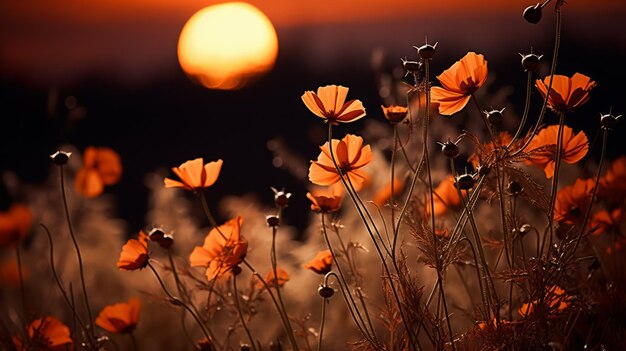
227	46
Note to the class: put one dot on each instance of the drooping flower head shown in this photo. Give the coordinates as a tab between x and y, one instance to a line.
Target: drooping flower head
134	254
542	148
330	104
321	263
14	224
47	333
572	201
459	82
350	155
326	200
566	93
223	249
120	317
195	175
280	279
101	166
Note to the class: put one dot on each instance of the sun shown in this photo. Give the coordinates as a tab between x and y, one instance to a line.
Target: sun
227	46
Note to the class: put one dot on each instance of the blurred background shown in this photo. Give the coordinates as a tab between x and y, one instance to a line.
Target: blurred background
106	73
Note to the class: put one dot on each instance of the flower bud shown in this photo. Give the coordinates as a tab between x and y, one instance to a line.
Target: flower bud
272	220
494	117
395	114
532	14
530	62
514	188
60	158
245	347
411	66
609	121
483	170
236	270
465	181
156	234
426	51
281	198
525	229
449	149
325	291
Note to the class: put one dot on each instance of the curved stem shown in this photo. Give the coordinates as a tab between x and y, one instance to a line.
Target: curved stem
522	122
78	254
241	317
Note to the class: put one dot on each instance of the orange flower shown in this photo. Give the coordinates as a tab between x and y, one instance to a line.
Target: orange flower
322	263
121	317
555	297
486	152
329	103
271	280
572	201
383	196
603	220
327	200
613	184
134	253
459	82
394	113
10	273
222	250
195	175
101	166
46	333
542	148
446	197
350	155
566	93
14	224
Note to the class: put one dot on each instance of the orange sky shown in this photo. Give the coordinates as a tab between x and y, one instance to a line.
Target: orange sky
57	39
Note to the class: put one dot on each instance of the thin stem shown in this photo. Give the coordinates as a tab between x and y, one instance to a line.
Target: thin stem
21	275
276	285
134	340
176	301
319	342
78	254
241	317
522	122
555	179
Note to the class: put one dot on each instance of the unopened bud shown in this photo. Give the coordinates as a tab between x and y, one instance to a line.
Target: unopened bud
514	188
325	291
60	158
272	220
449	149
465	181
532	14
426	51
609	121
494	117
530	62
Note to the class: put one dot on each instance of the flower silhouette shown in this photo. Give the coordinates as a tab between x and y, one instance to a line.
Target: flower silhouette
47	333
222	250
101	166
321	263
566	93
120	317
459	82
195	175
542	148
350	155
134	254
330	103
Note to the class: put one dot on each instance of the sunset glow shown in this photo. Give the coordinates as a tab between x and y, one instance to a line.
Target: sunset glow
227	46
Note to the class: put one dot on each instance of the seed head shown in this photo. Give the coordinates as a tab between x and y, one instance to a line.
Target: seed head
449	149
494	117
514	188
60	158
411	66
530	62
609	121
426	51
281	197
465	181
325	291
272	220
532	14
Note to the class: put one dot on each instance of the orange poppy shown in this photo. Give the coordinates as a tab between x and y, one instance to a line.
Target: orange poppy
542	148
555	297
134	254
321	263
101	166
14	224
603	220
46	333
394	113
446	197
10	273
120	317
566	93
486	151
195	175
572	201
330	103
459	82
350	155
271	280
383	196
326	200
613	185
222	250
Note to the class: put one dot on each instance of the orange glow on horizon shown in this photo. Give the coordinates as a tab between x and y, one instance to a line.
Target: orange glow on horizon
227	46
